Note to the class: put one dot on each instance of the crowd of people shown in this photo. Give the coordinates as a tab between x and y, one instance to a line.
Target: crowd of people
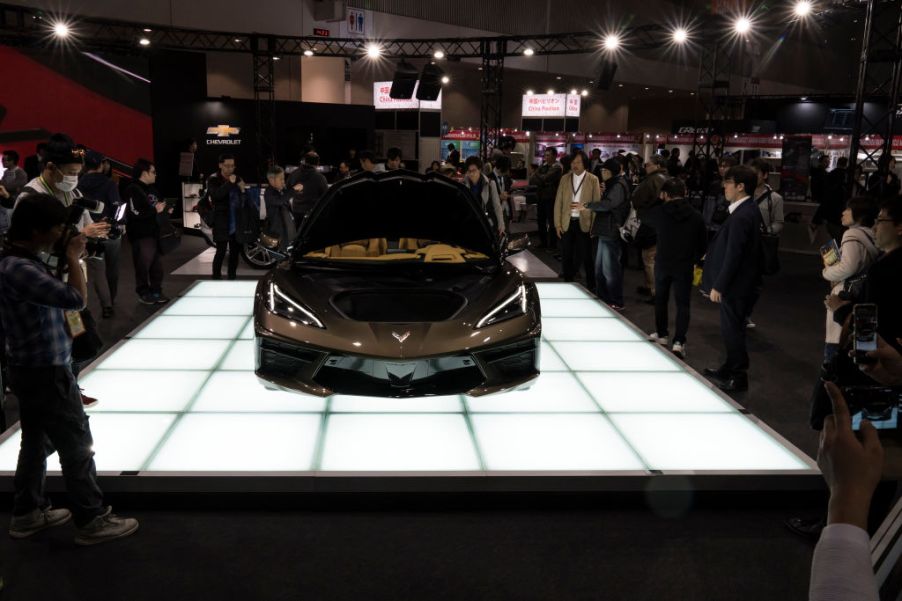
58	218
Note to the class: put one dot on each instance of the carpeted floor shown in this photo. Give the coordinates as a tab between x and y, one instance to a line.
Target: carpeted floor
587	548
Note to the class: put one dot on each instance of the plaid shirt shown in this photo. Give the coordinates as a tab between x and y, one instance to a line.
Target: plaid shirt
32	302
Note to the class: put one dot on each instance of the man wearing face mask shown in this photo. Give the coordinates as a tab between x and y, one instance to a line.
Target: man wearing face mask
59	178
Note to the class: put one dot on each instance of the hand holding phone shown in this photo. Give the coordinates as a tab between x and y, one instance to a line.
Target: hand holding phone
864	333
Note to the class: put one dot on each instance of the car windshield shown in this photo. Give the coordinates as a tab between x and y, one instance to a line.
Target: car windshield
401	250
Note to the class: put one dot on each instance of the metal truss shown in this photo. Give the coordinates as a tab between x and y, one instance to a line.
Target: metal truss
265	101
27	26
879	77
493	53
715	70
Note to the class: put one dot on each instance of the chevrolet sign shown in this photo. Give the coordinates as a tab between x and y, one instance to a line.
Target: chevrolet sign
223	135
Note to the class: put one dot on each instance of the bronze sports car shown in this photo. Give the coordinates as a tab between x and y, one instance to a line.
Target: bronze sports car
397	287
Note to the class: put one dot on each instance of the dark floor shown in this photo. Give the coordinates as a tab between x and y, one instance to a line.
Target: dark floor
735	550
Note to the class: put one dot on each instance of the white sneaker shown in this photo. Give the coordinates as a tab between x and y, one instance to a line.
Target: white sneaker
659	339
105	528
679	349
23	526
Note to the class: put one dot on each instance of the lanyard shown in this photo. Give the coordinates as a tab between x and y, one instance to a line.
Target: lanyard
576	189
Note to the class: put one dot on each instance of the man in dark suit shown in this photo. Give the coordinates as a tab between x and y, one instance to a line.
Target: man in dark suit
732	274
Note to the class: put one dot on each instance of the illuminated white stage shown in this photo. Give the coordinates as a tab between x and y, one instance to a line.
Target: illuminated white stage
179	401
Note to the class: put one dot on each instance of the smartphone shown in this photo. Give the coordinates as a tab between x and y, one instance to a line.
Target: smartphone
864	332
877	404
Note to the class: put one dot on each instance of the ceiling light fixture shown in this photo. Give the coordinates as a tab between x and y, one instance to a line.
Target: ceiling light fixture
742	25
144	42
802	8
438	55
529	52
680	36
60	30
373	50
611	42
308	52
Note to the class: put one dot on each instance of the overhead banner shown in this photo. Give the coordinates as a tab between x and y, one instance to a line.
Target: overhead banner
551	105
382	100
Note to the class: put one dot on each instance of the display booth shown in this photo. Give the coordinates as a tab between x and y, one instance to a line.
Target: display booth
465	141
609	144
559	141
410	124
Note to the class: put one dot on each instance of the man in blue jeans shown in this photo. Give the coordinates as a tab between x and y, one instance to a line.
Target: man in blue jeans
610	215
39	316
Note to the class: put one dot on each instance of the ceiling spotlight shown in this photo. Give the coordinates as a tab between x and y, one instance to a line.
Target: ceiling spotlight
308	52
275	58
670	91
680	35
147	30
573	92
373	50
529	52
619	85
550	91
558	78
60	30
611	42
742	25
446	79
529	92
438	54
584	92
646	89
802	8
144	42
803	98
237	40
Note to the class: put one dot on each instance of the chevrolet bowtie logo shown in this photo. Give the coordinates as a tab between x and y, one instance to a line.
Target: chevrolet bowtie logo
401	337
223	131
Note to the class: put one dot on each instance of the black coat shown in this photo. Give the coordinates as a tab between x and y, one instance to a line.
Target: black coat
142	216
546	179
315	186
682	236
733	262
219	192
279	222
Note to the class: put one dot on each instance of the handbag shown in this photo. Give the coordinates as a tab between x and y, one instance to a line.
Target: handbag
853	287
770	244
87	345
170	237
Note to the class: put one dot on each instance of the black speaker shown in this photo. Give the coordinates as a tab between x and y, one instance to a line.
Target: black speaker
430	83
606	76
404	81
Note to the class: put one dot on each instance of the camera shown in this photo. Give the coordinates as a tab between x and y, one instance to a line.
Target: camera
878	404
58	254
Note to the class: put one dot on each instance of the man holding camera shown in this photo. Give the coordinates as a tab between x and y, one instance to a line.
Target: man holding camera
225	191
39	316
144	233
96	185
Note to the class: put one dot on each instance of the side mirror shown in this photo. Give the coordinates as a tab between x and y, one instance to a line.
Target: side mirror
517	244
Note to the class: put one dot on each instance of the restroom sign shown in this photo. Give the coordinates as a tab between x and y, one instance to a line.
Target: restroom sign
356	22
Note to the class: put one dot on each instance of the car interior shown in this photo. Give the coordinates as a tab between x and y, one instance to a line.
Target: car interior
404	249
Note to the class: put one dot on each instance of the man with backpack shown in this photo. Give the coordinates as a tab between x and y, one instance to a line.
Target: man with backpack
645	197
610	214
770	204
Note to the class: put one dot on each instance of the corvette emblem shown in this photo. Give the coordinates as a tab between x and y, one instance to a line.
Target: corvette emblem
401	337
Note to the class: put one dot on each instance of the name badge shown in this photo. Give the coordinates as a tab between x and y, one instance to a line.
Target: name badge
74	324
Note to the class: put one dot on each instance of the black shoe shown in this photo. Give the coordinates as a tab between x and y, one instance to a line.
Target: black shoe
162	299
147	299
711	372
807	528
107	312
217	276
734	383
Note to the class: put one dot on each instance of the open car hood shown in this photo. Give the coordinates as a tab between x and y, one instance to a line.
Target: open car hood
398	204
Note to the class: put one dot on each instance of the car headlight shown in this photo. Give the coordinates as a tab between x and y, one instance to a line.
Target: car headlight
512	306
283	305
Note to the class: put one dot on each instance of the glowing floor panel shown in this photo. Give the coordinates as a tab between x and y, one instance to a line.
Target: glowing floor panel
179	397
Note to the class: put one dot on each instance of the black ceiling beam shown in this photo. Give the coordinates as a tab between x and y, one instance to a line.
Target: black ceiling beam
23	26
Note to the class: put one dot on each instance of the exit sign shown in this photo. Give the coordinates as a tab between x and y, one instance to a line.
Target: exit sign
323	33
